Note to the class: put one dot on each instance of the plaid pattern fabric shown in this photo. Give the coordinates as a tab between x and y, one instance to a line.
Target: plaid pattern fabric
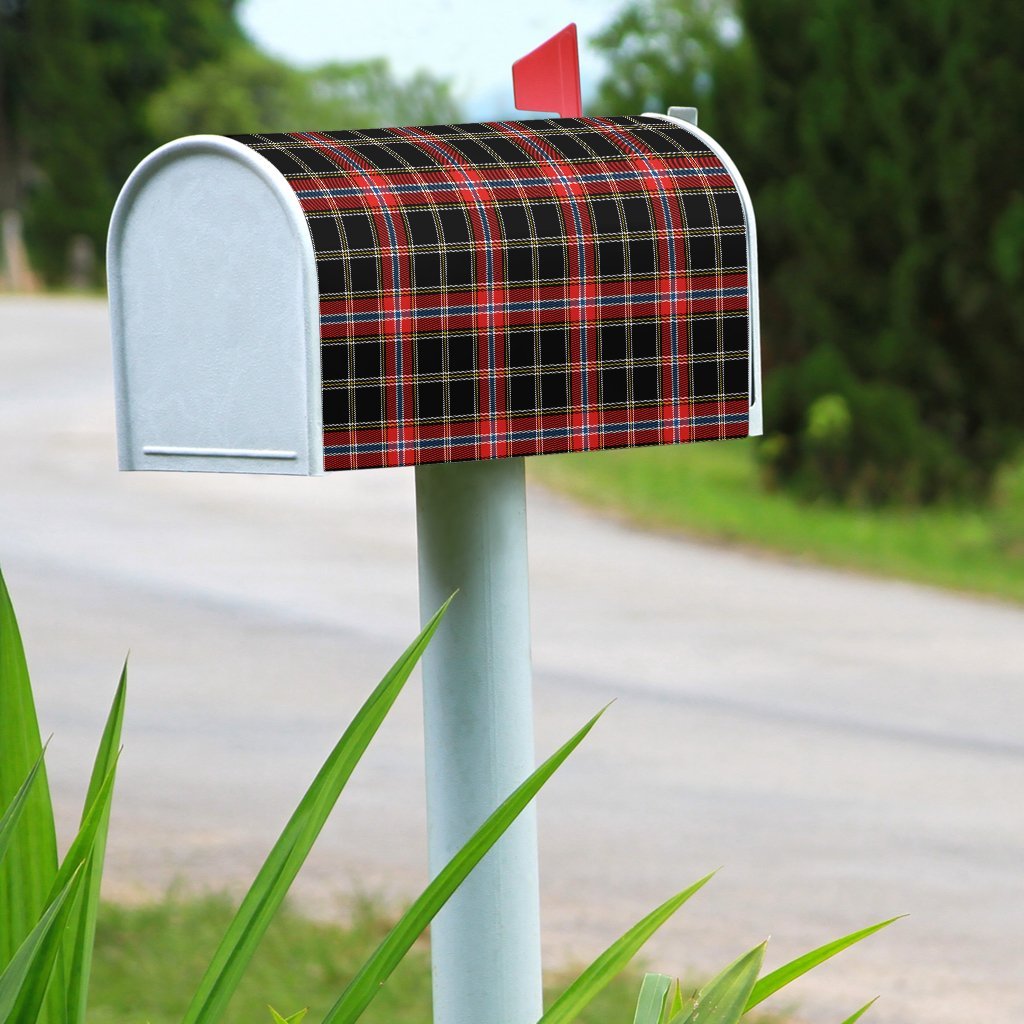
522	287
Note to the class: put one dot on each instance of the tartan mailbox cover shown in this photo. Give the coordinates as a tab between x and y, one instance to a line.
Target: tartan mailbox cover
294	303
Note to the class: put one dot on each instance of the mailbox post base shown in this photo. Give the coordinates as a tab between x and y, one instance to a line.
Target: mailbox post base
478	720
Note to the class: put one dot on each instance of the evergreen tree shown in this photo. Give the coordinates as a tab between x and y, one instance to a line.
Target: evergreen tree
76	76
881	144
88	87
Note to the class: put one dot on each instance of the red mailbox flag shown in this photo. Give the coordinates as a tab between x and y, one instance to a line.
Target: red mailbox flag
548	78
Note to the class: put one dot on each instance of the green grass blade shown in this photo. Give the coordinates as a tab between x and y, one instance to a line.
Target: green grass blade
572	1001
282	864
651	1003
17	805
24	981
295	1018
73	866
771	983
83	845
81	935
723	1000
30	866
372	975
675	1006
853	1018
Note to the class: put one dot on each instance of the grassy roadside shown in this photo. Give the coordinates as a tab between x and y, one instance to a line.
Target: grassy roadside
711	490
149	959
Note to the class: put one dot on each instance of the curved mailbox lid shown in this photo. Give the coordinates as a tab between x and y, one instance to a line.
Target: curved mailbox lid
526	287
756	424
214	315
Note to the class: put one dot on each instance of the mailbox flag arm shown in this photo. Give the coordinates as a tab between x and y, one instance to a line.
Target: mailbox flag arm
548	78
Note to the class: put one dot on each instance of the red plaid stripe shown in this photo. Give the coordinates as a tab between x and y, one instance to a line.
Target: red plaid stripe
522	287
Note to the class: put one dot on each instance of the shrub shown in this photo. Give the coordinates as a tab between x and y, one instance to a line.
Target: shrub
1008	507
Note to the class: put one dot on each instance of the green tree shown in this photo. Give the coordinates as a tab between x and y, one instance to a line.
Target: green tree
249	91
75	79
245	88
88	87
56	126
876	139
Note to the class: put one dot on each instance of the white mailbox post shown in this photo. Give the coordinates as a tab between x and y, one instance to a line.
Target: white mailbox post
451	297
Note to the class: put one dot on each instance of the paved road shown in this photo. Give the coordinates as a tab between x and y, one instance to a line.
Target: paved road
846	748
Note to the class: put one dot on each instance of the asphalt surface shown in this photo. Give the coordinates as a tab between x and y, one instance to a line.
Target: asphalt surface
845	748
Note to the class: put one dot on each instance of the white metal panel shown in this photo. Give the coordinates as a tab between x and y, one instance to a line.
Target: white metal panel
756	421
215	315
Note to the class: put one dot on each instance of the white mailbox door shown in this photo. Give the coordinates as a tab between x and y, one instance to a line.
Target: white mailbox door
215	316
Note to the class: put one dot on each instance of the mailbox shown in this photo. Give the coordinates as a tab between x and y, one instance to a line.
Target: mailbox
295	303
426	296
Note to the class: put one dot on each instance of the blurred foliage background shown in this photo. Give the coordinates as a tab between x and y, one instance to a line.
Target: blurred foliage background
880	141
89	87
